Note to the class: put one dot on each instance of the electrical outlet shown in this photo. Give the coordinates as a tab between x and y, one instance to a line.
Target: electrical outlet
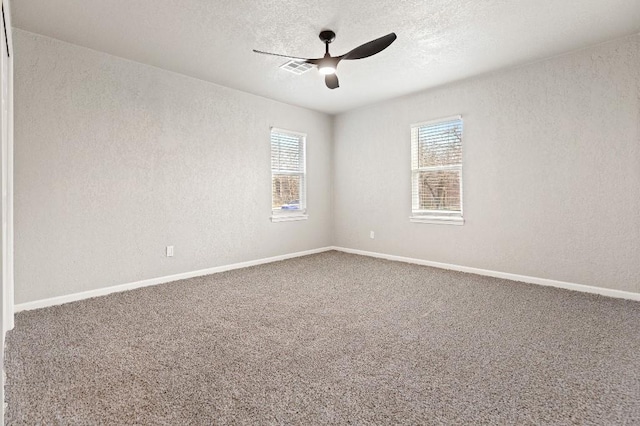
169	251
372	235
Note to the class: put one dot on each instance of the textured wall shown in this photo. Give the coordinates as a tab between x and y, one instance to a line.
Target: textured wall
115	160
551	171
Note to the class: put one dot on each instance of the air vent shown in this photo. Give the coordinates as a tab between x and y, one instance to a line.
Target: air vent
296	67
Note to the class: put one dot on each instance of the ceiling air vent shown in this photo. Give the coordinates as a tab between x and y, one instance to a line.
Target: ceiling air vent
296	67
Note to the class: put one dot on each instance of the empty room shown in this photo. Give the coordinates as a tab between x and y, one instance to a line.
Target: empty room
301	212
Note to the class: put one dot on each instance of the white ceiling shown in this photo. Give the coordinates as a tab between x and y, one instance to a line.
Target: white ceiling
439	41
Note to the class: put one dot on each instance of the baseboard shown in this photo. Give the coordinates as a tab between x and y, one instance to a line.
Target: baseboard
505	275
43	303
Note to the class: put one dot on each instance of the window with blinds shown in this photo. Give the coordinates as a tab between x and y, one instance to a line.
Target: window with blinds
436	171
288	175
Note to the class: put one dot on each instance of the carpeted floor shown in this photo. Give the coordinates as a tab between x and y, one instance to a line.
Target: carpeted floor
329	338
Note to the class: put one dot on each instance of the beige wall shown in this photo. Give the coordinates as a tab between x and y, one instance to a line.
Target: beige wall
551	171
116	160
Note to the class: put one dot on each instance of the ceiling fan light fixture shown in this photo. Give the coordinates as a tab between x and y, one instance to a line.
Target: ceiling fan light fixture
327	65
327	69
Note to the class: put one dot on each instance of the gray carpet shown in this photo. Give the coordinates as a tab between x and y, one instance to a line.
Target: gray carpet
329	338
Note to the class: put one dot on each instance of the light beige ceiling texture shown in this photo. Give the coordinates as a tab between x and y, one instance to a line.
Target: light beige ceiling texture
439	41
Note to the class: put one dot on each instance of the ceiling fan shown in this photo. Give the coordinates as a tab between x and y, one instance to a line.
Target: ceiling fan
327	65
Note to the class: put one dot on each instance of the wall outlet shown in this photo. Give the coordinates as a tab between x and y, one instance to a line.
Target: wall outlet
372	235
169	251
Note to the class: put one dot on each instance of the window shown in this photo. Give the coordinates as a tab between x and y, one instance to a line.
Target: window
288	176
436	171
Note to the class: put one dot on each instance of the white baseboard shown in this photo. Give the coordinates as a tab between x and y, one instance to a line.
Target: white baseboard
43	303
505	275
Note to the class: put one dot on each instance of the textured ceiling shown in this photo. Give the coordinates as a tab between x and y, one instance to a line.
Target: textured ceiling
439	41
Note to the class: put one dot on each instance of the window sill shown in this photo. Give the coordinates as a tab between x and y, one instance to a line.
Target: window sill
437	220
289	217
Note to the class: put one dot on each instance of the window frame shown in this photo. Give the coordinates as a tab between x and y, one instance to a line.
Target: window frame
440	217
278	214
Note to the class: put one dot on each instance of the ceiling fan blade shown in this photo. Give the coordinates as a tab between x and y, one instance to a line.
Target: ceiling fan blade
311	61
371	48
331	80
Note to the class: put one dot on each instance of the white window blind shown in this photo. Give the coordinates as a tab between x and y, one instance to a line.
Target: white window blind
288	175
436	171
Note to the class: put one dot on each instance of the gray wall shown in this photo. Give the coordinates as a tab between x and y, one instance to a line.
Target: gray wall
116	160
551	171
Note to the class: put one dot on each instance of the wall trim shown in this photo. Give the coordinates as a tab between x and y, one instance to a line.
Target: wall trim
620	294
59	300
